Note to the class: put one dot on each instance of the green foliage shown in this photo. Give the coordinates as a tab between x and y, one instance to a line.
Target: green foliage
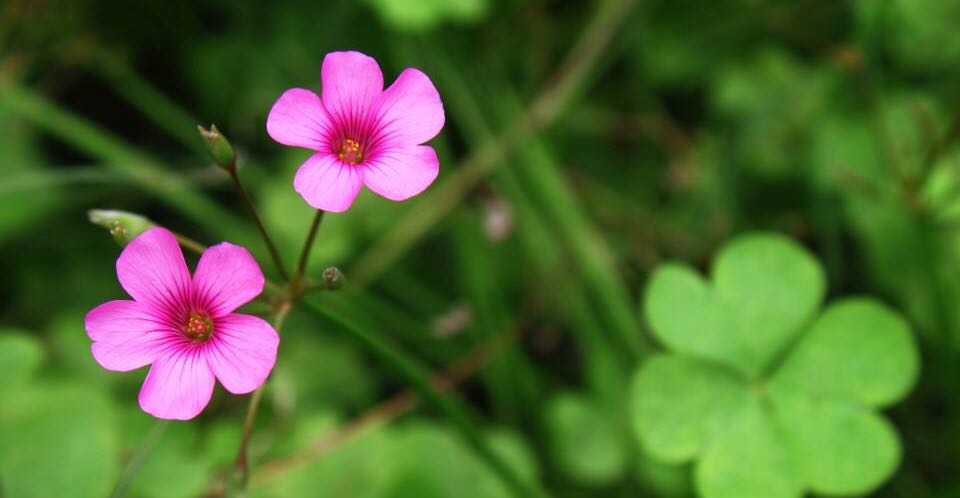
19	356
586	442
833	122
787	405
417	459
422	15
56	439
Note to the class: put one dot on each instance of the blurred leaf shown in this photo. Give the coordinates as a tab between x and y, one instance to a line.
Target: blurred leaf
771	288
665	479
857	353
747	459
423	15
678	403
323	372
58	440
841	448
20	355
921	34
175	467
857	348
674	288
586	442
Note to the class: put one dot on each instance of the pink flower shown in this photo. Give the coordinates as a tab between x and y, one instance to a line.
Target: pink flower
362	134
184	326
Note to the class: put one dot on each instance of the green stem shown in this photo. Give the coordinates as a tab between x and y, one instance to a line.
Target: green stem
124	158
242	463
308	245
419	379
153	437
252	209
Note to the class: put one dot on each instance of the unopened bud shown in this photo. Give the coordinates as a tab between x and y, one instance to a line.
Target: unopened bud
333	278
122	225
218	147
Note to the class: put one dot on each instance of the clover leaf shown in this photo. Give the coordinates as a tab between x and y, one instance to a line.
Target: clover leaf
769	398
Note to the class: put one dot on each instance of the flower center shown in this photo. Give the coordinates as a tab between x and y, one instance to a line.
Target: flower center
199	326
350	152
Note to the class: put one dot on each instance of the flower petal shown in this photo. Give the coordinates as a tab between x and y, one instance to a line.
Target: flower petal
351	83
242	352
127	334
328	184
152	270
410	111
401	173
227	277
299	119
178	386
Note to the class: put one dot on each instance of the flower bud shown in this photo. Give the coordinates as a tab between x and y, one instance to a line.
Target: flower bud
218	147
122	225
333	278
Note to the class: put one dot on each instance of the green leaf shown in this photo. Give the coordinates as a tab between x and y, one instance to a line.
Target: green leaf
857	348
20	355
422	15
747	458
772	287
175	467
840	447
360	468
677	403
685	315
586	443
666	480
59	442
450	464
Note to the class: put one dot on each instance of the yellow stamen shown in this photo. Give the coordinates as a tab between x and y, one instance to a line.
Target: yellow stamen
350	152
199	326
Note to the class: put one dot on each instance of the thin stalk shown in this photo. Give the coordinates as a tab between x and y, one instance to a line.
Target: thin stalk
308	245
248	202
153	437
417	376
242	464
294	291
190	244
122	157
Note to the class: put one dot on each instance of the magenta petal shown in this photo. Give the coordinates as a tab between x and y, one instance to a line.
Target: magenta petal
328	184
242	352
227	277
401	173
351	82
152	270
298	119
410	110
178	386
127	335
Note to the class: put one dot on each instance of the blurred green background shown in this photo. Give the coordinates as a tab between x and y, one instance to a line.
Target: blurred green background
586	143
